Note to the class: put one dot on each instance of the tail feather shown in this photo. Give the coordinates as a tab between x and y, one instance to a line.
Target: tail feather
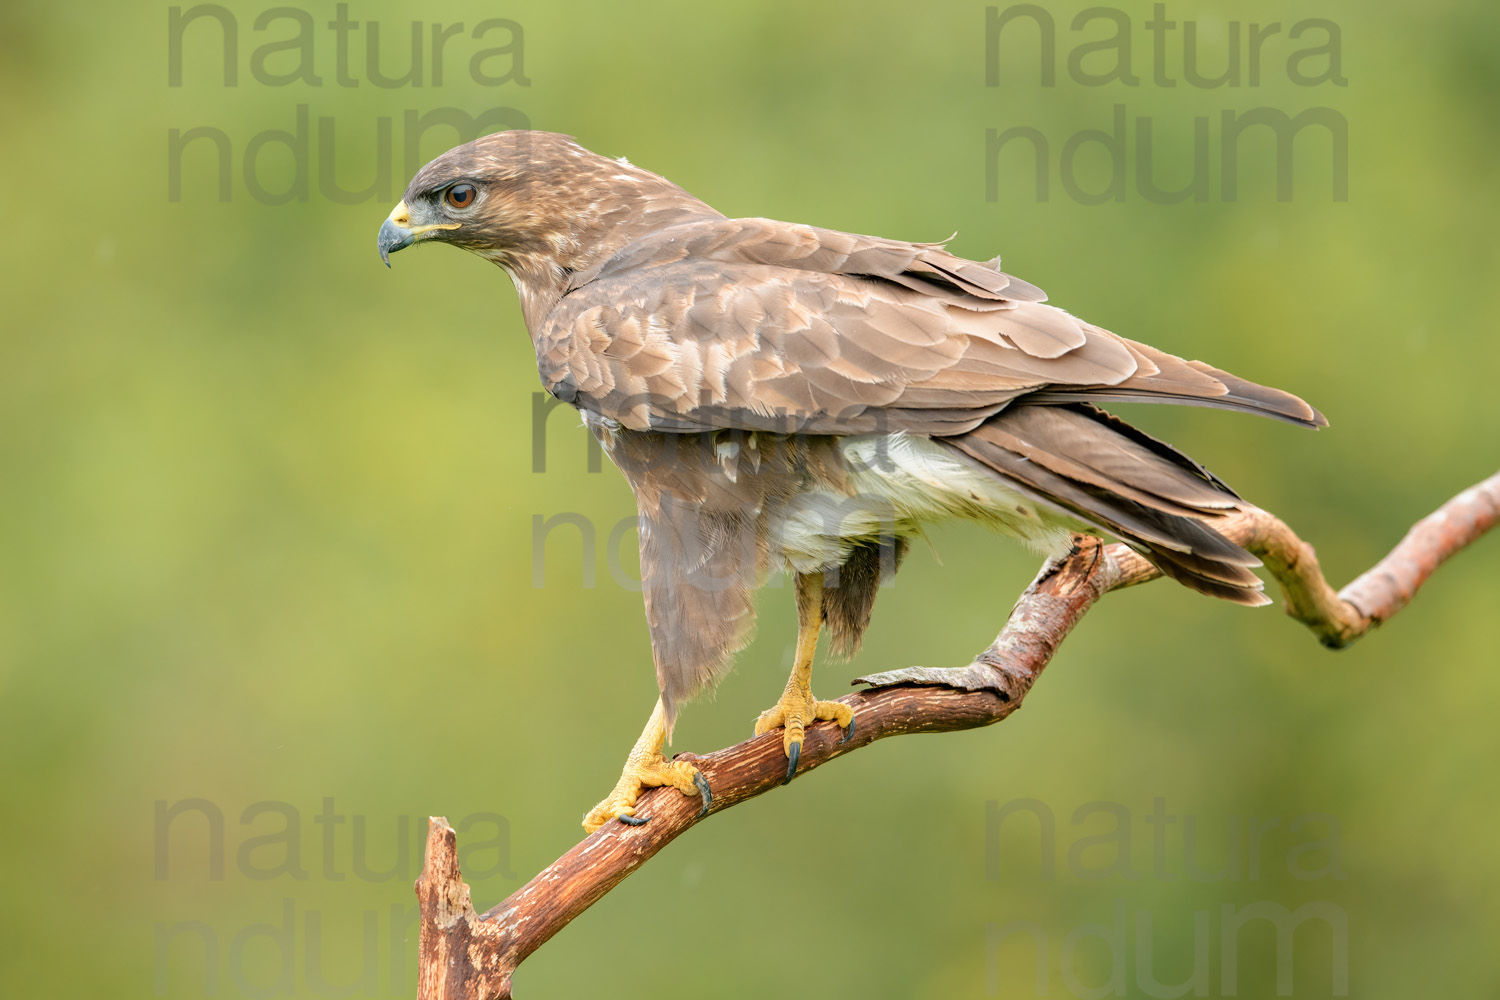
1092	466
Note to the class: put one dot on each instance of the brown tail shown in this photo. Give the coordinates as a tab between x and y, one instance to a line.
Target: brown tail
1081	461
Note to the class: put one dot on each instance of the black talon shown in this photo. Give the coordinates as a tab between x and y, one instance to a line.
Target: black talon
848	733
791	762
704	792
633	820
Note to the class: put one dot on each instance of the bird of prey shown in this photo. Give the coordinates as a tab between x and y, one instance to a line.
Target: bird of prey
788	398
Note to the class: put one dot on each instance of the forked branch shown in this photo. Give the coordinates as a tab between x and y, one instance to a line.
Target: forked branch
469	956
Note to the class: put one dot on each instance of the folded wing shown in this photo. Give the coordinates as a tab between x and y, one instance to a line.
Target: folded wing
768	326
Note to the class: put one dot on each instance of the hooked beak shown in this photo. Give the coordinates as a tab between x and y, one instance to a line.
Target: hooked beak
397	232
392	238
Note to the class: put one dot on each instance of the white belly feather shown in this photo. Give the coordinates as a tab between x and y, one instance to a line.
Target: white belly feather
898	481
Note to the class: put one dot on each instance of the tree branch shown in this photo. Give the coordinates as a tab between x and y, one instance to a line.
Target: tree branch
464	956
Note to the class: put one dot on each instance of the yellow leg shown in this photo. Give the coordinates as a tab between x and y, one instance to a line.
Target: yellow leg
797	707
647	767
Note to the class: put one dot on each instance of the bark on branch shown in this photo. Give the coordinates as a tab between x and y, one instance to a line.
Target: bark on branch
469	956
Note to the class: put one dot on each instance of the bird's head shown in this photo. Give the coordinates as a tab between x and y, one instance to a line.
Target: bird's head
536	203
496	196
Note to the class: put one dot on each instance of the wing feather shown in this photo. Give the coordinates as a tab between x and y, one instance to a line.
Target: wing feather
771	326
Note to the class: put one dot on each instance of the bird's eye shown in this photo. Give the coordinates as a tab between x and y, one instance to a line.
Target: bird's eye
461	195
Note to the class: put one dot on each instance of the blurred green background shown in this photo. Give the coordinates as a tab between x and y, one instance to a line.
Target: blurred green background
266	522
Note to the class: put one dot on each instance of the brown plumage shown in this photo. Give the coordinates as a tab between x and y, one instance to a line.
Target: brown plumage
784	396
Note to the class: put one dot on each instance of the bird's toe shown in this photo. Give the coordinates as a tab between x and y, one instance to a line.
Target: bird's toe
636	778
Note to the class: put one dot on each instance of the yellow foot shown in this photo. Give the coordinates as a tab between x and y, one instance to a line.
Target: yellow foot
640	775
796	710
